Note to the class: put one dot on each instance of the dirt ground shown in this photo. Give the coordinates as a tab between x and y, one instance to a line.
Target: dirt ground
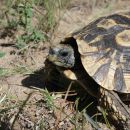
26	104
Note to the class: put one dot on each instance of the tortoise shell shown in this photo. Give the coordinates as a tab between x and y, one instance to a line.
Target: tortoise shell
104	46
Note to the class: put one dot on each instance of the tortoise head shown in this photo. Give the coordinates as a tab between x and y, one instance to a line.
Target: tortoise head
62	55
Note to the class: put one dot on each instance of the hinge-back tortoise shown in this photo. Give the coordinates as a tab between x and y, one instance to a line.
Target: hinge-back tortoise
100	52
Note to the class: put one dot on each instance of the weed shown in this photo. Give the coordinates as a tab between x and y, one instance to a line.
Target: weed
52	15
2	70
104	113
20	16
48	98
31	34
2	54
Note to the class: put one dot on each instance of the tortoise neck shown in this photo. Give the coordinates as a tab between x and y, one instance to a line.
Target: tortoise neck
86	81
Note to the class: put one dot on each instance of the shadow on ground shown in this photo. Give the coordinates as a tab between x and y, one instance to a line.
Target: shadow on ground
50	78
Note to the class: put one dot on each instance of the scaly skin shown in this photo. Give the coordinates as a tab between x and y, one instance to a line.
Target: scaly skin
115	108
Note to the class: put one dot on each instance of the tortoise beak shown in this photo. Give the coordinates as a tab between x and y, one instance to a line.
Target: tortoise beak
52	58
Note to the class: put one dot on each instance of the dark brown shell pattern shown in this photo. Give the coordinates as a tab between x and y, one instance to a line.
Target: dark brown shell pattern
104	46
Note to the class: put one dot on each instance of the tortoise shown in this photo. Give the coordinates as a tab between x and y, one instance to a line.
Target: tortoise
100	53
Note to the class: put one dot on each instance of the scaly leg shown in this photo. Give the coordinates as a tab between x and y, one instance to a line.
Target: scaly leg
115	108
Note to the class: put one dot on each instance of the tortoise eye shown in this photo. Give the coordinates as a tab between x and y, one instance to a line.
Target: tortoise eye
64	53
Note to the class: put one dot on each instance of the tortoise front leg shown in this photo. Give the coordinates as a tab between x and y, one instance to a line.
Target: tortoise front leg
115	108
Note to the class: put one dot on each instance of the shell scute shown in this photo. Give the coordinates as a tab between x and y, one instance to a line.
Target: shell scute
104	46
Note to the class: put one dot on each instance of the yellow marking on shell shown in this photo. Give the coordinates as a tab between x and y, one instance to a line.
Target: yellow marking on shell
123	38
111	74
95	64
98	38
69	74
84	47
113	54
106	23
108	80
122	58
91	64
127	82
108	83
